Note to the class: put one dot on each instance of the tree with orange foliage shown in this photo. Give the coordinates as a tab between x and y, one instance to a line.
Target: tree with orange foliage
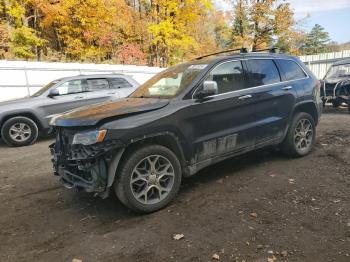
88	30
261	24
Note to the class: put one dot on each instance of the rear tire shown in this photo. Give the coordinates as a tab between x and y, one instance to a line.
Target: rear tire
301	135
19	131
149	179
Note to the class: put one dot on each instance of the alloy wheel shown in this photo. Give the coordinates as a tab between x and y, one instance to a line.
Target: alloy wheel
303	135
152	179
20	132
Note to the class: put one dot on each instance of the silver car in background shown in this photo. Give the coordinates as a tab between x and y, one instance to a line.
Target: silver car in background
21	120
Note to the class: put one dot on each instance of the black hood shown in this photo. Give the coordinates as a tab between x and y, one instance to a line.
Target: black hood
91	115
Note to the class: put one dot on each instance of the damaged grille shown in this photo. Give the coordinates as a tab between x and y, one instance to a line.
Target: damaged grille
78	165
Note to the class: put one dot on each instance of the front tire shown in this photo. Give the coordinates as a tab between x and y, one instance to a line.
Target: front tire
19	131
301	135
149	178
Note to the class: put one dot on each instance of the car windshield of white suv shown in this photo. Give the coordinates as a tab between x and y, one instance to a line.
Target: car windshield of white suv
170	82
339	71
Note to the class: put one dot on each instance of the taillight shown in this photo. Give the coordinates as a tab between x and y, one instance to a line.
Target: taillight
318	84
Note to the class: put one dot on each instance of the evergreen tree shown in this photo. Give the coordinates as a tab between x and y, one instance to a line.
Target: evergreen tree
259	24
316	41
241	30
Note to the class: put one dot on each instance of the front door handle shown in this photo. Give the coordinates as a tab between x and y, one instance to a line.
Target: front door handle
245	97
79	97
286	88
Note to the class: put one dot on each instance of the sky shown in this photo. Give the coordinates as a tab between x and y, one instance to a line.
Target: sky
333	15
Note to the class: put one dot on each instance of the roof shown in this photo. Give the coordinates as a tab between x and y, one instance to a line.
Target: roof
342	62
218	58
77	77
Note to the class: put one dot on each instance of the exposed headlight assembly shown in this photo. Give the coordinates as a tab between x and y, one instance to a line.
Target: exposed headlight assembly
89	138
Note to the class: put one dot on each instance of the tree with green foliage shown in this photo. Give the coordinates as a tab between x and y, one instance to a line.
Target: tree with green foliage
241	30
222	30
261	24
23	16
316	41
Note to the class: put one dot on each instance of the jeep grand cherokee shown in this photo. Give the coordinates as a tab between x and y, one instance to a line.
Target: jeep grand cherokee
186	118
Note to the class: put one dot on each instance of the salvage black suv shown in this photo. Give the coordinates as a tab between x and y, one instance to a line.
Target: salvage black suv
186	118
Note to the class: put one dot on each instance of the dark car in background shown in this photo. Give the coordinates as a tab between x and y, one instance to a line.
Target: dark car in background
21	120
184	119
336	84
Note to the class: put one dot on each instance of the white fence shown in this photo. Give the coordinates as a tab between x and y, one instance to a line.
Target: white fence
20	78
320	63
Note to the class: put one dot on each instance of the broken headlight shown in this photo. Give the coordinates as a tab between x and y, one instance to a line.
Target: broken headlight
89	138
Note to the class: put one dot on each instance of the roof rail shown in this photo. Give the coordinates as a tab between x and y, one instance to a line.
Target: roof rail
273	50
243	51
270	50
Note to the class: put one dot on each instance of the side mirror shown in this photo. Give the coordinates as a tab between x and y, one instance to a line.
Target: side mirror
210	88
53	92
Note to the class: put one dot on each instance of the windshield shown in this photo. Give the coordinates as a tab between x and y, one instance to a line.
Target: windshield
45	88
170	82
339	71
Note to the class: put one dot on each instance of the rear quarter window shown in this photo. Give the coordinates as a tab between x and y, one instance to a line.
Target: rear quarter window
291	70
117	83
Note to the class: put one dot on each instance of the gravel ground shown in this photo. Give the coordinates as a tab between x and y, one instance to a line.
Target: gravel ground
262	206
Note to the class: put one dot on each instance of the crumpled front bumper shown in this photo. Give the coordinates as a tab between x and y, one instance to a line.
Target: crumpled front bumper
84	167
88	175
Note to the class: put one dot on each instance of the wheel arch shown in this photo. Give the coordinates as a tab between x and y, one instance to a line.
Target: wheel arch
307	107
29	115
166	139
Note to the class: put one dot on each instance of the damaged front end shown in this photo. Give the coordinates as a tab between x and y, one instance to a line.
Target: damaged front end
332	91
89	167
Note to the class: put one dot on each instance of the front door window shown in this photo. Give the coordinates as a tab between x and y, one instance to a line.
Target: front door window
70	87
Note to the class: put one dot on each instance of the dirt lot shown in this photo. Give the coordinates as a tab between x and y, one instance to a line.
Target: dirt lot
250	208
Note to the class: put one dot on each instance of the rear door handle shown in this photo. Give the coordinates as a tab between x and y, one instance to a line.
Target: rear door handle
245	97
79	97
286	88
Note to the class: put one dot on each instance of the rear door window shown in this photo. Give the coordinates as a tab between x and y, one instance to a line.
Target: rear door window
262	72
97	84
117	83
291	70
